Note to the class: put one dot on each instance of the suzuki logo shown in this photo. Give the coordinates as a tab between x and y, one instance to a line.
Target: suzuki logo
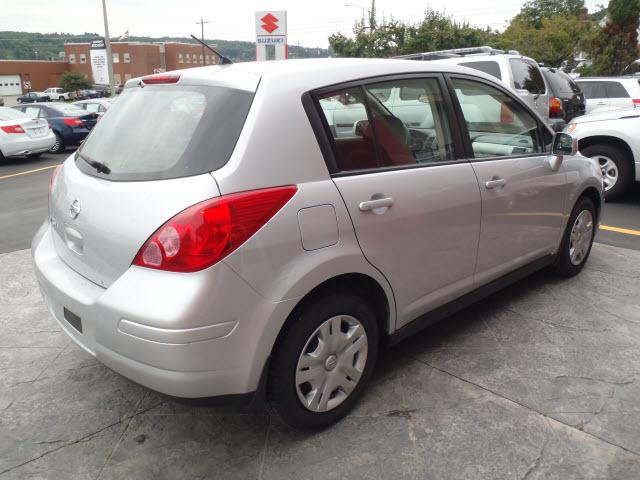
74	209
269	23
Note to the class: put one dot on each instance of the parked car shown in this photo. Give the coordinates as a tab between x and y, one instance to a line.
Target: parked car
516	71
102	90
96	105
604	94
70	124
56	93
1	102
566	100
33	97
612	139
212	236
22	135
88	94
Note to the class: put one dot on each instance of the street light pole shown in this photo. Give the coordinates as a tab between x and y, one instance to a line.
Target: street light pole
202	22
107	44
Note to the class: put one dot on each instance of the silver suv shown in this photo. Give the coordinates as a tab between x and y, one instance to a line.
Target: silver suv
520	73
605	94
268	227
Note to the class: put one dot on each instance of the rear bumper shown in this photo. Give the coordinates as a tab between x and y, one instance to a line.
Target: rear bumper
185	335
25	145
75	137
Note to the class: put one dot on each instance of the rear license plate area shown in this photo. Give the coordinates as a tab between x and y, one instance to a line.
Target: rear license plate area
72	319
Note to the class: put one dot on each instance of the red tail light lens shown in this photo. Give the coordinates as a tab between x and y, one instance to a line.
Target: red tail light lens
636	103
12	129
161	78
73	122
555	107
205	233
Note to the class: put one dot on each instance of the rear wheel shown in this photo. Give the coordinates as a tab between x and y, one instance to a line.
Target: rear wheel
616	169
323	360
577	240
59	145
61	99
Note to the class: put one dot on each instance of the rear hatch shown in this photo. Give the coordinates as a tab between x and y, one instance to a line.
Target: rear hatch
147	159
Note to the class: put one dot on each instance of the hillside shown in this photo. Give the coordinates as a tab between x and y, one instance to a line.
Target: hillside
24	45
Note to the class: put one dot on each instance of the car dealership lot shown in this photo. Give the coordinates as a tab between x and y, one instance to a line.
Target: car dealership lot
539	380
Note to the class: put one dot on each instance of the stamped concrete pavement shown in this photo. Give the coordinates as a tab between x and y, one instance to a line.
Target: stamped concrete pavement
540	381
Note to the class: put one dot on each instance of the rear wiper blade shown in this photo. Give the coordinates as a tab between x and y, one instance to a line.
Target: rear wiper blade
99	166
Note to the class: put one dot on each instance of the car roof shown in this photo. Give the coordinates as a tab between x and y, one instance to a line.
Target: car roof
309	74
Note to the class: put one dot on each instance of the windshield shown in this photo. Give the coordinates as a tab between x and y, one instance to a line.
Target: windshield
11	114
561	83
160	132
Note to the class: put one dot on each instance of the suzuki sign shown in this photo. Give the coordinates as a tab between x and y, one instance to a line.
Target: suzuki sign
271	35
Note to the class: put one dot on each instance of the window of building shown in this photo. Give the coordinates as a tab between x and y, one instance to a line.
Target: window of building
207	59
83	58
117	77
195	58
201	59
180	58
188	57
127	57
116	58
127	76
72	58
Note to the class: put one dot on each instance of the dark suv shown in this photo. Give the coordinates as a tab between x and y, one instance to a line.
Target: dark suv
566	100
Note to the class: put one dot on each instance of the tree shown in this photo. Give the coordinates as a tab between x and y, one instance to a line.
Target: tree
616	46
436	31
71	82
558	38
533	12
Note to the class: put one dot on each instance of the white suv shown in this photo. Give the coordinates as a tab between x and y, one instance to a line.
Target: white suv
604	94
55	93
520	73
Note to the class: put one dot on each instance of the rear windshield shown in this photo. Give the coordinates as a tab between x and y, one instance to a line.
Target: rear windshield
561	83
160	132
68	110
7	113
490	67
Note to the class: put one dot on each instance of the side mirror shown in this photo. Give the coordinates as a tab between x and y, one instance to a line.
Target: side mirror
564	144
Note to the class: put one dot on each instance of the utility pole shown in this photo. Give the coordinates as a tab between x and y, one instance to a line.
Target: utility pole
201	23
107	44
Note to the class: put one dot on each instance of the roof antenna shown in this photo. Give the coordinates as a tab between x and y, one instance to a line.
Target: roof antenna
223	60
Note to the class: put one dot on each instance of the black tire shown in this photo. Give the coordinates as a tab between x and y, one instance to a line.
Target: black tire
282	386
563	265
624	167
59	145
34	155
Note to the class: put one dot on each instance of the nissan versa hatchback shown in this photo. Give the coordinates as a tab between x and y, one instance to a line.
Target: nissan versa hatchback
266	228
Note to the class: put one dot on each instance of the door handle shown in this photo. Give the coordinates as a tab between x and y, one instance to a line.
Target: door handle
601	103
374	204
495	183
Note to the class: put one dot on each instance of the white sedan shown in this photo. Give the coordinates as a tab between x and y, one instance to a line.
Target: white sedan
22	135
95	105
613	139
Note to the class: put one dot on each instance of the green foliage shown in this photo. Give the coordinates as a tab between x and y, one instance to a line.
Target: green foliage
558	38
437	31
616	46
71	82
534	12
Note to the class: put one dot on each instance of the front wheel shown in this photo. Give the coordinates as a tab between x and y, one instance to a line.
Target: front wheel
323	360
616	170
577	240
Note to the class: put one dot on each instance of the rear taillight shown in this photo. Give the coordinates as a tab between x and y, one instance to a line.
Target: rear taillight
206	232
636	102
161	78
73	122
555	107
12	129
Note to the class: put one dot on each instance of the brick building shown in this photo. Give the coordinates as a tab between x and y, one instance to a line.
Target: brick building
130	59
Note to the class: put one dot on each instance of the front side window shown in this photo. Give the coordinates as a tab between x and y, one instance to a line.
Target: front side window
388	124
498	125
527	76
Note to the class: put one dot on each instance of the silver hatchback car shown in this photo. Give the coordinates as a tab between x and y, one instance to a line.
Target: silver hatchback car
267	228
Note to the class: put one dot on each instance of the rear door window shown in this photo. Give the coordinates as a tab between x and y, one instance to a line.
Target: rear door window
593	89
527	76
160	132
615	90
490	67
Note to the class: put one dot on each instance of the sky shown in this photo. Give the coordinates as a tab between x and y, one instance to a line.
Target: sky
309	23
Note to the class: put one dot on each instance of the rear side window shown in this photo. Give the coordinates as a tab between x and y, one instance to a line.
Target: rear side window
527	76
408	128
160	132
490	67
615	90
592	89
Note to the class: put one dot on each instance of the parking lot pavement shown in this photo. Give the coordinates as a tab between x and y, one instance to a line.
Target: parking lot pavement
540	381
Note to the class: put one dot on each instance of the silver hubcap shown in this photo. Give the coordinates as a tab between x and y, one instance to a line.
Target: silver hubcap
609	171
581	236
331	363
